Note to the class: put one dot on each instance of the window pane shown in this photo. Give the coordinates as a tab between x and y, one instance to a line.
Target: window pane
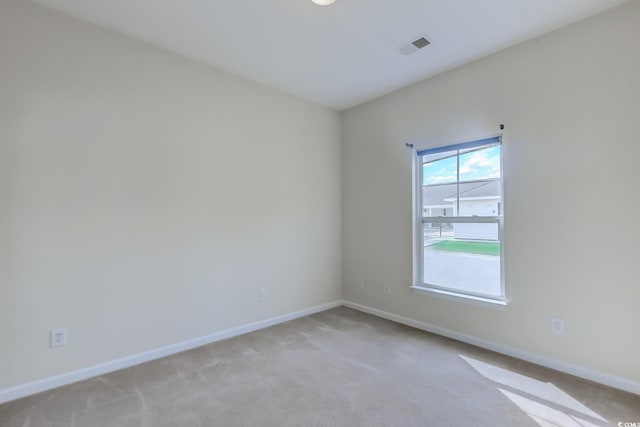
480	164
480	198
439	200
462	257
439	170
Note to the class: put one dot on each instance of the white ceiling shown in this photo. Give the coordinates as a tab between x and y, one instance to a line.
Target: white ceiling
338	55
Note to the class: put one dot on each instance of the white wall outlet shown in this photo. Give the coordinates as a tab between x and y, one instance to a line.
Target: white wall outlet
264	295
386	289
58	337
361	283
557	326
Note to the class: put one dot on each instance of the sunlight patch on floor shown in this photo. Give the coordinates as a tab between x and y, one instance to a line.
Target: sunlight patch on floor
545	403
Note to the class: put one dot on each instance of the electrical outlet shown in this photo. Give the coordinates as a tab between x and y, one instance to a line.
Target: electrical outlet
264	295
361	284
58	337
557	326
386	289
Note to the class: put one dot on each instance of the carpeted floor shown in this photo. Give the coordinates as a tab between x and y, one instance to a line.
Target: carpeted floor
335	368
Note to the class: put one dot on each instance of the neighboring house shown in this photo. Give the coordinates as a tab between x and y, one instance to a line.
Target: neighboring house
477	198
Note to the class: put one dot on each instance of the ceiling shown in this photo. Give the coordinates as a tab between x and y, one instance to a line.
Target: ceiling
338	55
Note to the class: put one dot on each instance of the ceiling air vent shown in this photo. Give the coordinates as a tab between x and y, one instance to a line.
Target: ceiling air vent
413	46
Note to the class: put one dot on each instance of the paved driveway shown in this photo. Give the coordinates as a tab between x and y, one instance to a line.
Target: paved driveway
467	272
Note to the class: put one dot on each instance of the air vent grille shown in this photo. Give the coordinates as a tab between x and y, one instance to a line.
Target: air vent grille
413	46
421	42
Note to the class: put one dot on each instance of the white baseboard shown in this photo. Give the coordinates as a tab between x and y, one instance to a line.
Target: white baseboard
578	371
49	383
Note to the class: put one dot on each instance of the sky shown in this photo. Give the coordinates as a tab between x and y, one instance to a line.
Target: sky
480	164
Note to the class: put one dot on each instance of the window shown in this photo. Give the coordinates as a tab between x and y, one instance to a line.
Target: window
458	224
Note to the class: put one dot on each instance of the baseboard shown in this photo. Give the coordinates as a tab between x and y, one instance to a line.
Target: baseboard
49	383
578	371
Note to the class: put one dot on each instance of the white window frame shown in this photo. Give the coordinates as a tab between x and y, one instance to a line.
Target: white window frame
418	231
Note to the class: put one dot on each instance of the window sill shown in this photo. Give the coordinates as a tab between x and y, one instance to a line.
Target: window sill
454	296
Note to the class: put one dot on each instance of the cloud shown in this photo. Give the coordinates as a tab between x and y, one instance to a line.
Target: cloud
480	159
484	162
467	169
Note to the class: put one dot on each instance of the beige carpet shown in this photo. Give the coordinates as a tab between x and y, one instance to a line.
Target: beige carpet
336	368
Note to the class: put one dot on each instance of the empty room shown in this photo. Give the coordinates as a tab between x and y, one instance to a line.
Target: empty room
319	213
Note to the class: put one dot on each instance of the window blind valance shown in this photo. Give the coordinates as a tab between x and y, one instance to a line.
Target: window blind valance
462	146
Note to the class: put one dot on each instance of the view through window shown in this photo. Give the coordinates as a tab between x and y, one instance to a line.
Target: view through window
460	219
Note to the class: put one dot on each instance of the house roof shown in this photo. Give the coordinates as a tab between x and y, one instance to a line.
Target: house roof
444	194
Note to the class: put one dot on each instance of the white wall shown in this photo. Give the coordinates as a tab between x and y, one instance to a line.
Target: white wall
146	198
570	102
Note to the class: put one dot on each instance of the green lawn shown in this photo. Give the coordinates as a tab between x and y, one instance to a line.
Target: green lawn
484	248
